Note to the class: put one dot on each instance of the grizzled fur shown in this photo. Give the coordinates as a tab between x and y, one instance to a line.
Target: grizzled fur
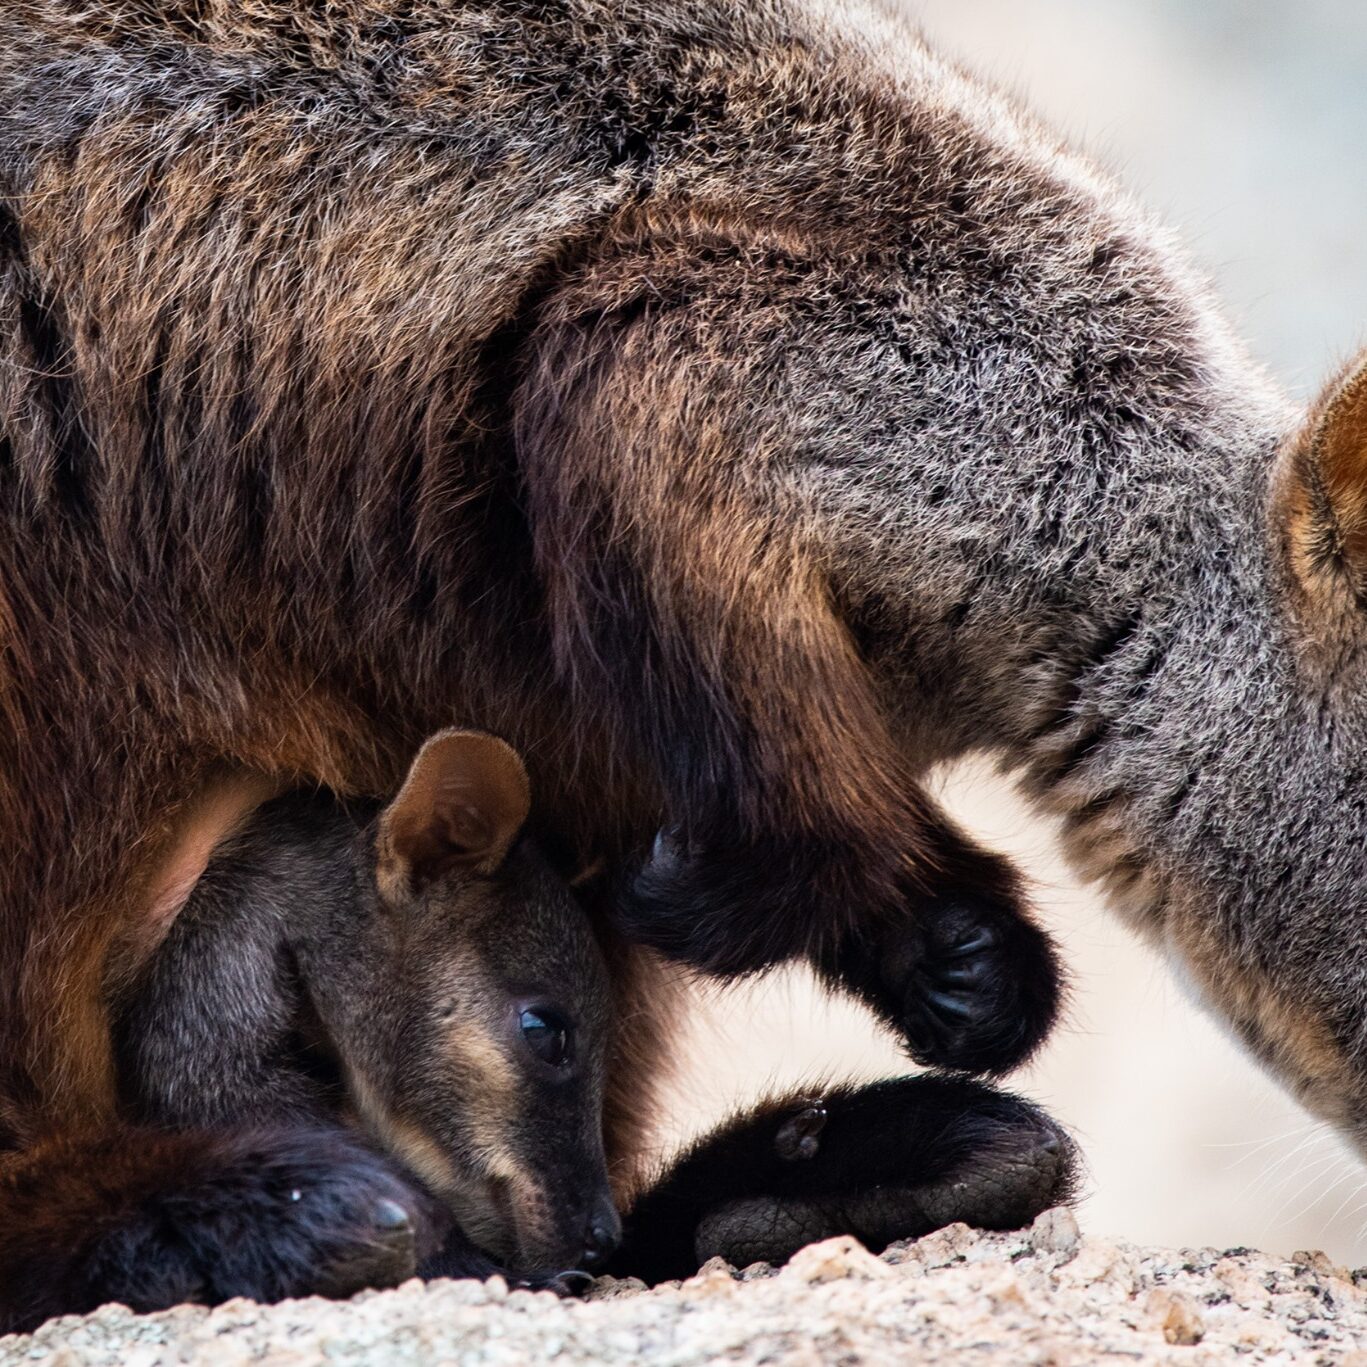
803	403
375	363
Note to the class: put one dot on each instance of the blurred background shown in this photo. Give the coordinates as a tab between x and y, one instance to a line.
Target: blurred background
1243	123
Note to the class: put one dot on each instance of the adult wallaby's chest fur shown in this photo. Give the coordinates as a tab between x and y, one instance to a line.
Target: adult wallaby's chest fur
731	403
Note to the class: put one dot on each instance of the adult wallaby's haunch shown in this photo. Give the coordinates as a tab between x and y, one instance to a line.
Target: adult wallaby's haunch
800	401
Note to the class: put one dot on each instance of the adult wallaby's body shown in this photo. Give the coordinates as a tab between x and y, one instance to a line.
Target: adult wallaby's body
804	404
338	350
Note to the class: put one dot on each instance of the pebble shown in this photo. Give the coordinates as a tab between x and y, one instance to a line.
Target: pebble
1056	1231
833	1259
1176	1315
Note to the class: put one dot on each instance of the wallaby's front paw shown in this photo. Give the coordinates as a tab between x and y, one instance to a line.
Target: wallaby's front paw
973	986
382	1251
897	1160
152	1219
727	910
1018	1173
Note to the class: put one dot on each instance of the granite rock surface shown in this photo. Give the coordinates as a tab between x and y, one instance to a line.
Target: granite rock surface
1045	1295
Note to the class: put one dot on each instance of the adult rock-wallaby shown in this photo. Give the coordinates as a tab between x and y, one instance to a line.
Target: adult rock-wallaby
731	403
414	972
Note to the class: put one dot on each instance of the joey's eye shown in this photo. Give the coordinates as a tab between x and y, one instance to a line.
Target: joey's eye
547	1035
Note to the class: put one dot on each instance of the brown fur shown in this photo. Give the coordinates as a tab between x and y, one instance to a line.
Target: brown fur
1287	1033
218	813
1321	505
314	626
650	1004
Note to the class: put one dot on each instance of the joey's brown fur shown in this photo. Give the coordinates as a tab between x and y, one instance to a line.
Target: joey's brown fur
387	963
732	404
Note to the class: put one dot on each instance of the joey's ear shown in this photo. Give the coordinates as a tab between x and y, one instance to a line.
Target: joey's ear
1322	492
462	805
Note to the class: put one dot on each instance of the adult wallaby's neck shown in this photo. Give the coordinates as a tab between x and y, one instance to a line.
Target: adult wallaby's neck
1089	592
1147	647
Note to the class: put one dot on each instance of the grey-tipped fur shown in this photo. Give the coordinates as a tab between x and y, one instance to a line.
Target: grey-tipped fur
806	404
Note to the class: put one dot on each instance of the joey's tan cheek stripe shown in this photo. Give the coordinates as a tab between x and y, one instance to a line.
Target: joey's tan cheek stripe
217	812
422	1153
491	1114
492	1096
470	1197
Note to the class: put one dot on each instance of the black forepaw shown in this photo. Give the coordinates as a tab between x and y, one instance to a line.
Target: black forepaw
731	909
973	986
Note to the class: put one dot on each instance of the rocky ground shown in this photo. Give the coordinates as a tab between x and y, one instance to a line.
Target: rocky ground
1041	1296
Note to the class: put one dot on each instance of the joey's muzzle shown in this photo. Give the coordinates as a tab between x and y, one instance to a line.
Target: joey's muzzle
556	1234
602	1234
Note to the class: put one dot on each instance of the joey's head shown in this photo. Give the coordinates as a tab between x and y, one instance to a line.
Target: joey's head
471	1021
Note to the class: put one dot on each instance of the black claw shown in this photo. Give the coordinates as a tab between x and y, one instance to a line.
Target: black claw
957	1004
984	937
571	1282
389	1215
798	1136
967	975
666	853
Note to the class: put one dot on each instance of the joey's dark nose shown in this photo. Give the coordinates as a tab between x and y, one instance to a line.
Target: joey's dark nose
601	1237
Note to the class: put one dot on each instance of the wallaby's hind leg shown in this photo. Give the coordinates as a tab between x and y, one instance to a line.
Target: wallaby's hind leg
152	1219
684	573
889	1161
